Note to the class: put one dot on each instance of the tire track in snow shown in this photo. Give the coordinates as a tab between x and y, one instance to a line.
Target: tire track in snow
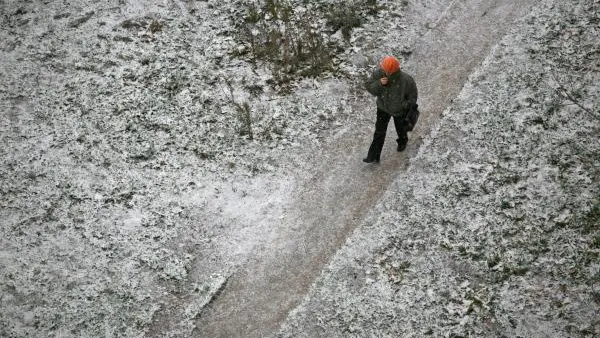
334	201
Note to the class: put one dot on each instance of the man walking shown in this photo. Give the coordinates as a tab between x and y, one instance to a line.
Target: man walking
397	95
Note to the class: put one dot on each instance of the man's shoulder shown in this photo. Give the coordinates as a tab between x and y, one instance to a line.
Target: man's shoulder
408	79
406	75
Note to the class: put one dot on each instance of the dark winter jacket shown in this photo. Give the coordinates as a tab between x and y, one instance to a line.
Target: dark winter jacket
397	96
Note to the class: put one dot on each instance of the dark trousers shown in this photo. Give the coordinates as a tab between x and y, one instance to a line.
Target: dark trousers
383	119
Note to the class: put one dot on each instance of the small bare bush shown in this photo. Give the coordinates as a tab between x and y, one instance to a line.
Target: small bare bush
245	119
155	26
244	114
292	44
297	40
343	18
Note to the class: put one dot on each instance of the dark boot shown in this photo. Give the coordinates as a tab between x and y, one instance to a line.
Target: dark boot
401	146
372	156
374	152
402	141
370	159
402	130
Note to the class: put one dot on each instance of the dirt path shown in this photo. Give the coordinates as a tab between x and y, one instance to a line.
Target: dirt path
334	201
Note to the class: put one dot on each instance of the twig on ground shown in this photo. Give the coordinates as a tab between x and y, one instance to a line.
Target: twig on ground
243	110
565	94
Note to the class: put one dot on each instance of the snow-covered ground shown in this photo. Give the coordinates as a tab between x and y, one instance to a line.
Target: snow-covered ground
130	192
493	231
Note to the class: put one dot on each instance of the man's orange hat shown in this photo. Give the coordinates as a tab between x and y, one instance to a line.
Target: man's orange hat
390	64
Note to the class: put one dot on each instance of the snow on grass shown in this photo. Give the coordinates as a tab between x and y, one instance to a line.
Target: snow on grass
493	230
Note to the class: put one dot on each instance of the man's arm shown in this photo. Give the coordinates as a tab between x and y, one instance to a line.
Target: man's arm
412	93
373	85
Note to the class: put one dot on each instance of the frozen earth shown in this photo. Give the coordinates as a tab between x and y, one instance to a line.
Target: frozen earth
492	231
135	203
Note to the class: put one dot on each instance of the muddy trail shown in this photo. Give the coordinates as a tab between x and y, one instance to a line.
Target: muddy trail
342	189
